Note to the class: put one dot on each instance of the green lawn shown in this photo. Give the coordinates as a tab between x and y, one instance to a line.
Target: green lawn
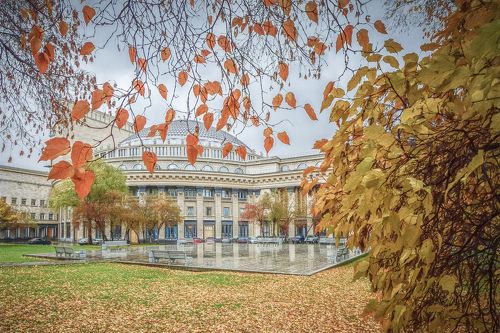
14	252
109	297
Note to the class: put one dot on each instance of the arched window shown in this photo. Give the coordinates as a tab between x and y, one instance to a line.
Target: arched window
122	167
138	167
285	168
238	170
157	167
172	167
207	168
318	164
223	169
190	167
301	166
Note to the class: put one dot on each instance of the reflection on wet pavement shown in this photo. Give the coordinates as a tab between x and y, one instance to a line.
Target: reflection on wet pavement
302	259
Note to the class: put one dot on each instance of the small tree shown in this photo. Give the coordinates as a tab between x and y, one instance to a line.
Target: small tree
257	212
166	210
12	218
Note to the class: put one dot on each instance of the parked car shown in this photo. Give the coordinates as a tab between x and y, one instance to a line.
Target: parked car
39	241
242	240
197	240
85	241
312	239
296	239
253	240
209	240
226	240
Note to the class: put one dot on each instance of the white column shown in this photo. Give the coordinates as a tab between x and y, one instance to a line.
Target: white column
199	215
235	211
218	216
180	226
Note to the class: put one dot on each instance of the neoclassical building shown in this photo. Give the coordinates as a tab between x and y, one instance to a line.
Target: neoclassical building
211	194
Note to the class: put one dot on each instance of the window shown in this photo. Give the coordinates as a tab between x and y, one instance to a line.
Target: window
190	192
33	216
223	169
301	166
285	168
208	211
190	229
122	167
242	195
33	202
190	167
208	193
13	201
226	212
51	216
171	232
243	229
4	199
238	171
42	216
121	153
23	201
172	192
190	211
227	229
226	194
172	167
137	166
42	203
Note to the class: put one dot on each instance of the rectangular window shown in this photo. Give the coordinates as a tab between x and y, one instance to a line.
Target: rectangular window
227	229
243	229
42	216
51	216
226	212
23	201
33	216
4	199
42	203
171	232
226	194
190	211
242	195
190	192
208	193
33	202
208	211
172	192
13	201
190	229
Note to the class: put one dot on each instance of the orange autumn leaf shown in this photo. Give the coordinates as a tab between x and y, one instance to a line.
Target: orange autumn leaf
258	29
121	118
213	87
98	98
242	152
42	62
208	119
319	143
348	34
320	48
269	3
230	66
362	37
149	158
182	78
339	43
268	132
308	170
310	111
87	49
269	28
192	148
283	70
200	149
139	86
226	149
380	26
255	121
132	53
312	40
83	180
80	109
142	64
222	121
63	27
152	131
224	43
139	123
108	91
165	53
61	170
328	89
268	143
49	50
290	99
163	90
169	116
312	11
80	153
201	110
162	129
54	148
245	80
283	137
88	14
277	100
199	59
210	40
290	30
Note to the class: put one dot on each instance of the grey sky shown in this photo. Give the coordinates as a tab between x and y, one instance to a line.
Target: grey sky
111	65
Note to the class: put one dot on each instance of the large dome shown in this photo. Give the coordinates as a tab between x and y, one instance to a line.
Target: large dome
179	129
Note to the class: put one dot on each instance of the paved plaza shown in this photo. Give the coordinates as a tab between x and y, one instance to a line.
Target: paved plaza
297	259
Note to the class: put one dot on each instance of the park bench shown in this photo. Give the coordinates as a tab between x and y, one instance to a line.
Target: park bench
342	253
270	241
69	252
117	243
171	256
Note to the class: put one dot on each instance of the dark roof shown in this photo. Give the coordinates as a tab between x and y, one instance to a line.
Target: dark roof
182	127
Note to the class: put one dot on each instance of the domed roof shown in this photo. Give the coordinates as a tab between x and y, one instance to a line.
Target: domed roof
182	127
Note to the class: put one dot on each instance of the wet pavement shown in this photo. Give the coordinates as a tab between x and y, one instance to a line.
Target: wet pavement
297	259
